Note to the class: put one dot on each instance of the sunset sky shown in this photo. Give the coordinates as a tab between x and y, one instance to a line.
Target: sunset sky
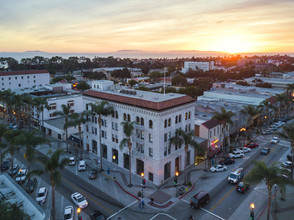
90	26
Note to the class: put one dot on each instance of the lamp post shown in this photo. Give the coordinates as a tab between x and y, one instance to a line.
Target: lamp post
275	185
114	157
176	182
142	175
252	206
78	211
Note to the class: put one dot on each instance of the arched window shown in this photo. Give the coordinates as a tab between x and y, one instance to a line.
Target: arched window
142	121
186	116
165	123
189	115
138	120
150	124
176	121
129	118
169	122
116	114
180	118
125	116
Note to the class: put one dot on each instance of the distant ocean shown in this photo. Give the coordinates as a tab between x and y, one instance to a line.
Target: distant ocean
129	54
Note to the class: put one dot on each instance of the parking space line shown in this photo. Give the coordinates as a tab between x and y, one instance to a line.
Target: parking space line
88	196
161	213
122	209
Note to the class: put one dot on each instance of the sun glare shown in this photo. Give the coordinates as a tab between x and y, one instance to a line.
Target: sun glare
232	44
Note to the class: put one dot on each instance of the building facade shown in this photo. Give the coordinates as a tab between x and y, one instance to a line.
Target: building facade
156	118
205	66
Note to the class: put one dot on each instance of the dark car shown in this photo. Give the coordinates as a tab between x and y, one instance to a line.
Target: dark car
5	165
242	187
251	145
227	161
96	215
265	151
199	199
92	174
14	170
290	158
33	183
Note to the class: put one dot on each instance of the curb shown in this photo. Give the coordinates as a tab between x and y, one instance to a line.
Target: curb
126	191
188	191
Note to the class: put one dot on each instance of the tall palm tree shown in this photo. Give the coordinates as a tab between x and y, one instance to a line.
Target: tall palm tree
13	147
290	89
281	99
66	114
78	120
52	166
17	99
265	107
270	175
8	99
128	130
3	129
251	112
224	117
101	109
41	104
186	138
288	133
30	139
28	103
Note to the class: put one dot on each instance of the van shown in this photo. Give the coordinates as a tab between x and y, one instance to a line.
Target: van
199	199
236	175
82	165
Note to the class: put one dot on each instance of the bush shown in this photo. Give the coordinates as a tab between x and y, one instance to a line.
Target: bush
139	194
189	184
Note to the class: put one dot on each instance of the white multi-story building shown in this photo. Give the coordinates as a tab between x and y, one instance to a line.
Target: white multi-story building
156	118
205	66
23	79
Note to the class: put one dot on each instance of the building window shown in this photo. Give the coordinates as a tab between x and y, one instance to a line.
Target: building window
15	77
165	137
150	176
51	115
189	115
52	106
19	85
34	77
150	152
116	114
125	116
180	118
95	120
114	138
71	103
210	134
72	111
186	116
189	127
169	135
165	151
169	122
129	118
176	121
104	135
150	138
9	78
142	121
96	131
150	124
87	106
165	123
28	77
217	130
22	77
34	81
138	120
214	132
87	128
169	149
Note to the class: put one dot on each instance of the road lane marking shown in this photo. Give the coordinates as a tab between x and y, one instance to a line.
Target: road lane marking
212	213
88	196
122	209
185	201
234	187
161	213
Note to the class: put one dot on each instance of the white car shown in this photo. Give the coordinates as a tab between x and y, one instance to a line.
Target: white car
287	164
42	195
245	150
82	165
218	168
68	213
21	176
236	154
72	161
79	200
275	140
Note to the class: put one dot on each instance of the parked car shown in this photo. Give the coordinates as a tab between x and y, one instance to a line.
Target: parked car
96	215
265	150
6	164
92	174
242	187
275	140
15	127
289	157
251	145
31	187
11	125
42	195
245	150
72	161
236	154
227	161
79	200
287	164
218	168
82	165
68	213
267	131
14	170
21	176
199	199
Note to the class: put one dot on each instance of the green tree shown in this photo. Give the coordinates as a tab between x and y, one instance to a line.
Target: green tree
132	82
83	85
52	166
128	128
224	117
28	103
66	114
186	138
12	211
179	80
265	107
281	99
270	175
13	147
102	109
41	104
3	130
251	112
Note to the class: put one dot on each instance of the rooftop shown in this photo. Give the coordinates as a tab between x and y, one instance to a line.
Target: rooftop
23	72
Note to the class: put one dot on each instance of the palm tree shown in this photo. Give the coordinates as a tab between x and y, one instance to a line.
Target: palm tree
224	118
3	129
251	112
66	114
30	139
270	175
288	133
8	99
186	138
281	99
28	102
41	104
128	130
52	166
18	103
78	120
290	88
265	107
10	137
101	109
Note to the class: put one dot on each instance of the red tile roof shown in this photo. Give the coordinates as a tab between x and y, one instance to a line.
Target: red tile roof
158	106
272	100
22	72
211	124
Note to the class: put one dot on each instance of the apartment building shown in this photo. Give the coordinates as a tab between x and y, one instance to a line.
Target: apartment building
205	66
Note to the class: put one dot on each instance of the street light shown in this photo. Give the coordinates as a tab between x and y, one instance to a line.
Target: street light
275	185
142	175
78	211
176	182
252	206
113	158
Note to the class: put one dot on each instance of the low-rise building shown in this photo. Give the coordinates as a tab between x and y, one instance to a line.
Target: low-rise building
205	66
